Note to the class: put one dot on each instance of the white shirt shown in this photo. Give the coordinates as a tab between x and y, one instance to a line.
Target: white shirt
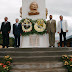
17	24
5	22
51	20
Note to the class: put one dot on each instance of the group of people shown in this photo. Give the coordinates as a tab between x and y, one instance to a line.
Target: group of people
62	28
5	30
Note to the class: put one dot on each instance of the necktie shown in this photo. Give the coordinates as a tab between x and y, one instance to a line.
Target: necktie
61	24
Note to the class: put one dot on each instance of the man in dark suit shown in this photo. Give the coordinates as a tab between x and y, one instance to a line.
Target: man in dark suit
5	29
17	30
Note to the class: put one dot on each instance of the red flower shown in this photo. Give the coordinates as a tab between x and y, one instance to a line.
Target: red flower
24	31
4	66
8	62
1	64
71	59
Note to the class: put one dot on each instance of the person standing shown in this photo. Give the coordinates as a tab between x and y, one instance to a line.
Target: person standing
5	29
62	29
51	29
17	30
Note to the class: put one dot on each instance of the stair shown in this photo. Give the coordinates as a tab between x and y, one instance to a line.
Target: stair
36	59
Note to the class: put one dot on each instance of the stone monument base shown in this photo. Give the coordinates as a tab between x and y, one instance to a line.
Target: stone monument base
34	41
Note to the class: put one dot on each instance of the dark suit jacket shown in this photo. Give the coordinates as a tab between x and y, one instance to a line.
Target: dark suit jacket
5	28
17	30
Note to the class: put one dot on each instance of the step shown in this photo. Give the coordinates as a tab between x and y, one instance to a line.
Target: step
34	58
34	53
70	48
42	70
36	65
35	49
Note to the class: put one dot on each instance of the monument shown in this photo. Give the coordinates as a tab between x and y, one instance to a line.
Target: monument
35	10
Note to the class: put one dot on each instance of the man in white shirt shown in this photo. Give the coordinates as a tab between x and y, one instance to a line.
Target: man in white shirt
62	29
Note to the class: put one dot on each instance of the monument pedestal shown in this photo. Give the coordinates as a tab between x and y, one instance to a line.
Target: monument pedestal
34	40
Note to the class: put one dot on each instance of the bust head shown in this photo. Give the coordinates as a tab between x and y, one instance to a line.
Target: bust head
33	9
33	6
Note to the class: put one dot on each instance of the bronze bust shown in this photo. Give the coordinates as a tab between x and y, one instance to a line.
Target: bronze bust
33	9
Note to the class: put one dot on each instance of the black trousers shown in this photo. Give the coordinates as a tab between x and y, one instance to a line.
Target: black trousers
64	36
17	40
5	40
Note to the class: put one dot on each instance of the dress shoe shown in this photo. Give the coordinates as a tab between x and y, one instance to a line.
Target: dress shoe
7	46
53	46
3	47
49	46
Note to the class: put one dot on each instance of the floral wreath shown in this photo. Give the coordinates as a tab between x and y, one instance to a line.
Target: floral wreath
26	25
31	27
40	26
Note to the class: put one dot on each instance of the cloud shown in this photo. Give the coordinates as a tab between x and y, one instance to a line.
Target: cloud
63	7
9	6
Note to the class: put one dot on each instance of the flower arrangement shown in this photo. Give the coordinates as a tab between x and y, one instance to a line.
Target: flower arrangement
67	60
30	26
5	65
26	25
40	26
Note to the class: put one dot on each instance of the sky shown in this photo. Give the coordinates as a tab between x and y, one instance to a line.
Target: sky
10	8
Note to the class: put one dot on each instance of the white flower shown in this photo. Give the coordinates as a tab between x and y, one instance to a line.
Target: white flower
40	26
27	23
